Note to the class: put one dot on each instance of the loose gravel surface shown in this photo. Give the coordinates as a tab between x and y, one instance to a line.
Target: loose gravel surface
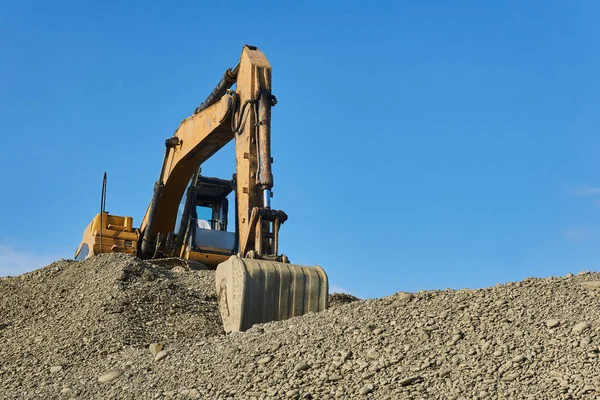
115	327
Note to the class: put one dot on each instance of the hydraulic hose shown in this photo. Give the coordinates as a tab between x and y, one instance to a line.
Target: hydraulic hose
225	83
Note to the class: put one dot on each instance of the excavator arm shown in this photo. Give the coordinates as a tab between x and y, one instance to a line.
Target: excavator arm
243	115
195	141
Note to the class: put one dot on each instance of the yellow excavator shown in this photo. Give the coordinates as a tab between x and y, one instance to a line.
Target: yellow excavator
255	283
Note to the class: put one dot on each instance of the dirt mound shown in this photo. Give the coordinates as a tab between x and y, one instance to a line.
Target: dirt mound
73	312
337	299
535	339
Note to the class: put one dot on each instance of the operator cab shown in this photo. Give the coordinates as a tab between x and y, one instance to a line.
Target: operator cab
209	241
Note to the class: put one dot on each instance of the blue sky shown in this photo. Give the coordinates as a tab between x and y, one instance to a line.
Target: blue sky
417	145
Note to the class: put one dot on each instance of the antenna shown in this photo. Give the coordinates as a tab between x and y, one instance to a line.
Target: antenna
102	208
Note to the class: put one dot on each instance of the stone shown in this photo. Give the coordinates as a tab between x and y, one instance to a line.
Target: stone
552	323
161	355
519	358
455	338
301	367
345	354
585	341
56	369
404	296
110	376
155	348
581	327
366	389
265	360
373	354
592	285
292	394
410	380
510	377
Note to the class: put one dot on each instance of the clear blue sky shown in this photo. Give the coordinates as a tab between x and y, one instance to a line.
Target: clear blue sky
417	145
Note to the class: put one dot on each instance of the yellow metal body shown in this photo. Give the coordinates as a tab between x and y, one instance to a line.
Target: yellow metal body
253	285
209	259
116	236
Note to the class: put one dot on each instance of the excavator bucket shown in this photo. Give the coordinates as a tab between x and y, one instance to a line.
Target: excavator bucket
256	291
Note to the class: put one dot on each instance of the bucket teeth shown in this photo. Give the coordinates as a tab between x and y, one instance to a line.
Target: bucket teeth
257	291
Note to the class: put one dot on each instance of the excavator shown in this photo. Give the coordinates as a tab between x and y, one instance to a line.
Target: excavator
254	282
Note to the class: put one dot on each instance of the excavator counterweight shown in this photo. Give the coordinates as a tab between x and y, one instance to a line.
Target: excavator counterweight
255	283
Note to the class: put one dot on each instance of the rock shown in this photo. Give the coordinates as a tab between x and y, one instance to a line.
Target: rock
404	296
155	348
301	367
56	369
552	323
345	354
509	377
581	327
110	376
519	358
410	380
366	389
194	394
373	354
456	338
161	355
265	360
335	377
591	285
589	389
292	394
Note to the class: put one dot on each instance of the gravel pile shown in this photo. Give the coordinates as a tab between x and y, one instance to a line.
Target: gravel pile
75	313
144	332
337	299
